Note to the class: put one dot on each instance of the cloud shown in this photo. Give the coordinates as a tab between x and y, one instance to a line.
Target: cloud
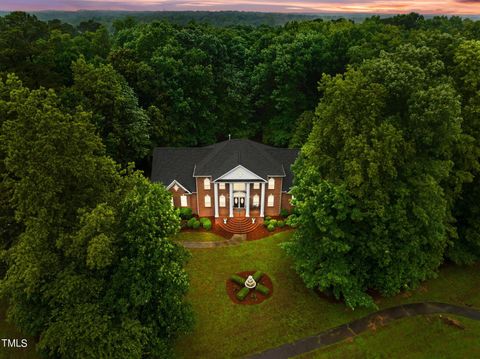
363	6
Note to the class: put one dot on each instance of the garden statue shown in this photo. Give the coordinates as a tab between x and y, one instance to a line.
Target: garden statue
250	282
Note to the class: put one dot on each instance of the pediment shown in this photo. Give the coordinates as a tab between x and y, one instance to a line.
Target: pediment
240	173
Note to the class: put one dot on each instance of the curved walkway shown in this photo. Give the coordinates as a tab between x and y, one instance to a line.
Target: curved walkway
236	239
358	326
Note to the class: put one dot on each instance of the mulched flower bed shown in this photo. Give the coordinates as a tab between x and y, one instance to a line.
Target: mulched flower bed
254	297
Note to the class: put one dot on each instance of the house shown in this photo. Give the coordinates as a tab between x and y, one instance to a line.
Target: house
233	178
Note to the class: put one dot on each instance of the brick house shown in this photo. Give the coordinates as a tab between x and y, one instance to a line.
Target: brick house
233	178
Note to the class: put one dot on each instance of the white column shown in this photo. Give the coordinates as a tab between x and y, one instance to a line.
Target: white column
215	198
262	200
230	201
247	201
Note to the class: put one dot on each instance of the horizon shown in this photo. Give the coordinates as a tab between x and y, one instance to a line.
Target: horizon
425	7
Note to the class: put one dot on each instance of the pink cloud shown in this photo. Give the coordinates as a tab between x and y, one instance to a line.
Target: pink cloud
471	7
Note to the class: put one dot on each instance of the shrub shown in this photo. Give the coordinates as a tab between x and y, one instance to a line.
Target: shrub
273	222
196	224
206	223
257	276
281	224
268	218
191	221
266	223
185	213
262	289
271	227
292	220
237	279
284	212
242	293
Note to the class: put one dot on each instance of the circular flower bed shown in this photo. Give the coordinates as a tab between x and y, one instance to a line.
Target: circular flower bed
262	290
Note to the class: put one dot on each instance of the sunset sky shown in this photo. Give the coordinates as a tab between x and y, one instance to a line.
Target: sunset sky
471	7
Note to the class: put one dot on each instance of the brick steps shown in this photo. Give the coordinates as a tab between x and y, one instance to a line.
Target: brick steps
239	225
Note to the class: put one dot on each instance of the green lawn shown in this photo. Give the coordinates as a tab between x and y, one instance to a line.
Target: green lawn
225	329
417	337
198	236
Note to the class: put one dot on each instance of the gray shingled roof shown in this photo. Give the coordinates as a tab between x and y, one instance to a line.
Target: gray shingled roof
182	164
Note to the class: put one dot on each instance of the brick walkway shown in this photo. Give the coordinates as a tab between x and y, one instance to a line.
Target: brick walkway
236	239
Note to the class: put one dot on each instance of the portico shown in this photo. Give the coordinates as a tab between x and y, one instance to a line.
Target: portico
241	202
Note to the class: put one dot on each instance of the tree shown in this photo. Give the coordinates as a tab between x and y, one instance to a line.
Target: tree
95	260
371	180
303	128
465	248
122	124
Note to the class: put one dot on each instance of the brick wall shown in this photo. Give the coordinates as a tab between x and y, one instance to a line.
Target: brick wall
201	193
286	198
277	193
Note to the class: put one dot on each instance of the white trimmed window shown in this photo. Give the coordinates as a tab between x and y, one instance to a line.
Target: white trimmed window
271	201
256	185
271	183
208	201
256	200
206	183
221	185
183	201
222	201
173	203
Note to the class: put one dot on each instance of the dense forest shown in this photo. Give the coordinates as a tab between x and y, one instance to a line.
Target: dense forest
386	112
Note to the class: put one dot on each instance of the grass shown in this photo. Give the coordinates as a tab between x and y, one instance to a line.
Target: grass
416	337
198	236
225	330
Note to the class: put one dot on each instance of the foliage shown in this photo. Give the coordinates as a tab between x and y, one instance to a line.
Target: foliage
74	271
372	180
284	213
185	213
206	223
122	124
271	227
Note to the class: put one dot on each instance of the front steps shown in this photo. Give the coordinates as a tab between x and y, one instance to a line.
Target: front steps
239	225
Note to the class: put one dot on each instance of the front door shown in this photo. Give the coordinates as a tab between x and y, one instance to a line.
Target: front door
239	202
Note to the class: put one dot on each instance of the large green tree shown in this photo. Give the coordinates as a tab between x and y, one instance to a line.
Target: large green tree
95	261
372	178
123	125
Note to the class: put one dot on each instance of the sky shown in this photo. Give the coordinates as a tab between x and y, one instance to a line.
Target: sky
449	7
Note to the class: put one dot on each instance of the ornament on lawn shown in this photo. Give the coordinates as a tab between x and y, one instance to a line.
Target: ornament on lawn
251	283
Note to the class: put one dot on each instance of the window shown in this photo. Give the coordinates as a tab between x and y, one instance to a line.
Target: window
256	201
221	185
173	203
206	183
222	201
208	201
239	186
183	201
270	201
271	183
256	185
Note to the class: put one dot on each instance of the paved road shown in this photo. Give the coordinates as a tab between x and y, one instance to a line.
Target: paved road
358	326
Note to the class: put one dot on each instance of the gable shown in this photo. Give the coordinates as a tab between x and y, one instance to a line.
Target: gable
240	173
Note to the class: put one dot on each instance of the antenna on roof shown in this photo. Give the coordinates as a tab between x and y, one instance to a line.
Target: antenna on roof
229	137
